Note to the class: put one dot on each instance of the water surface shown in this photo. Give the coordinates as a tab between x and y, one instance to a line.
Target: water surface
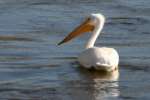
33	67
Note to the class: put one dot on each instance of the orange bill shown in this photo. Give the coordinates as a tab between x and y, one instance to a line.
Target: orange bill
86	26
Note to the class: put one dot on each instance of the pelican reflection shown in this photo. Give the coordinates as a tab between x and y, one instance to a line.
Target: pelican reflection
92	85
105	85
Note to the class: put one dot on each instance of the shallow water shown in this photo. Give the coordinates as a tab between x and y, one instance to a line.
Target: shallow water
33	67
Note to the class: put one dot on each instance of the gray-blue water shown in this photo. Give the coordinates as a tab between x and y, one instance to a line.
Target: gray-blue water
33	67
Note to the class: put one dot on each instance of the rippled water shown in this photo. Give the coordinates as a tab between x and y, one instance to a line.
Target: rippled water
33	67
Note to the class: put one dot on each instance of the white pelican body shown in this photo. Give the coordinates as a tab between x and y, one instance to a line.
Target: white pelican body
100	58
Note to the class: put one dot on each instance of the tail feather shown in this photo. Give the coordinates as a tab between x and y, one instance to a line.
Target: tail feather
103	65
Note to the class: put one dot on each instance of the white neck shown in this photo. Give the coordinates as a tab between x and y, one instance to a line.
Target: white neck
95	34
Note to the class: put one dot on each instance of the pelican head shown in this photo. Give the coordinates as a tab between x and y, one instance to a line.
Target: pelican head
91	23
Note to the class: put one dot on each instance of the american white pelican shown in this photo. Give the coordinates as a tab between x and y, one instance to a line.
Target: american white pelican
100	58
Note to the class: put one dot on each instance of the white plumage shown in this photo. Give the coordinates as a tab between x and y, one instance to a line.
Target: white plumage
100	58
